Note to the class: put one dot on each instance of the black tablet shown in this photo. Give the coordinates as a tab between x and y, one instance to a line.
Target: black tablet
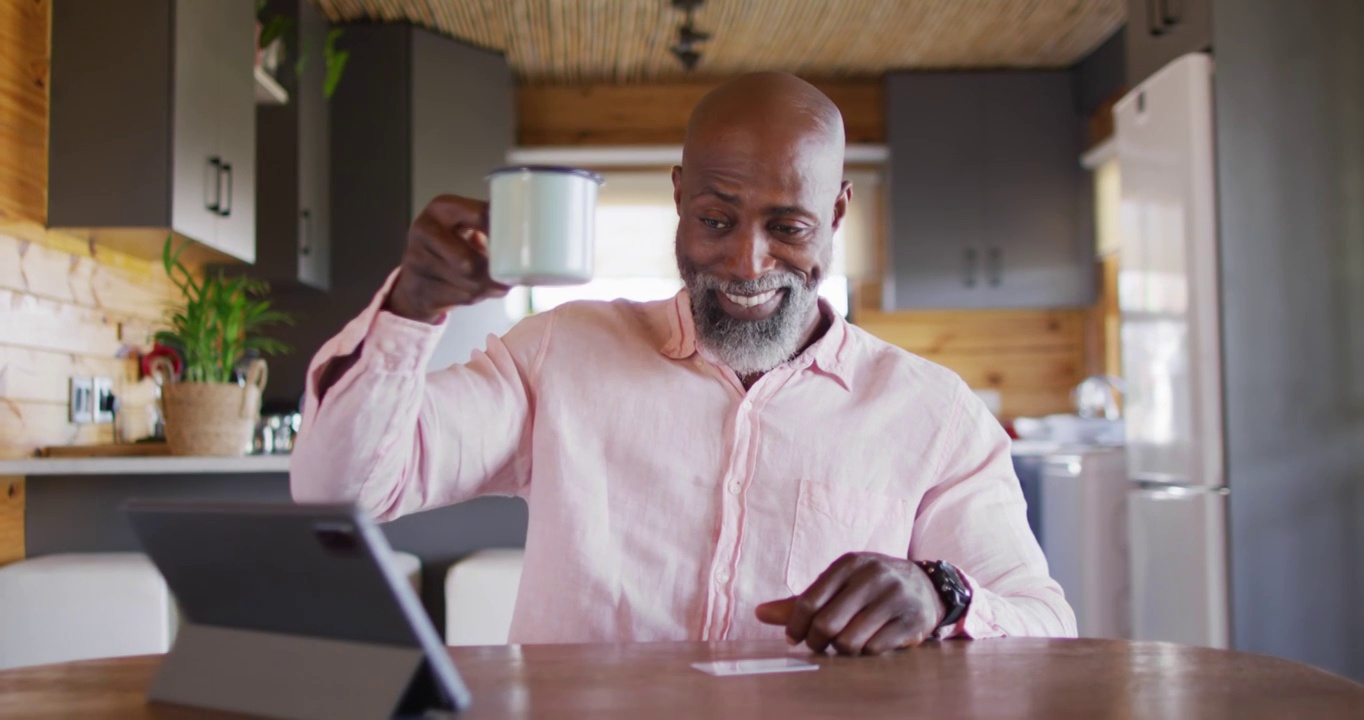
292	611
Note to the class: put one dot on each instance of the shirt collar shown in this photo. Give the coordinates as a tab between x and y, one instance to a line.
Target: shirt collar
831	355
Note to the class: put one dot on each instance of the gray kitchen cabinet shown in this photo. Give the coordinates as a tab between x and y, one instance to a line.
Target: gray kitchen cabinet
293	187
1159	31
152	123
416	115
988	203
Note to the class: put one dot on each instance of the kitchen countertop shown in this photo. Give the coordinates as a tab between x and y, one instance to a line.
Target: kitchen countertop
1040	448
171	465
162	465
1032	448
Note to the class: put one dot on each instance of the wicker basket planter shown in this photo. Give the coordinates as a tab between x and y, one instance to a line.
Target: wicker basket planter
213	418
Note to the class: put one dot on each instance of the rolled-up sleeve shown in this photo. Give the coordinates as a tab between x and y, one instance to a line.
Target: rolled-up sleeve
975	517
393	439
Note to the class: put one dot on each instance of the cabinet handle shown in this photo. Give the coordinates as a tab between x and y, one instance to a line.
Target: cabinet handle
305	232
1163	15
994	266
969	256
226	209
215	164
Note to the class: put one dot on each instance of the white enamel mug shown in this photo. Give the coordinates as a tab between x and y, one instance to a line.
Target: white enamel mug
540	225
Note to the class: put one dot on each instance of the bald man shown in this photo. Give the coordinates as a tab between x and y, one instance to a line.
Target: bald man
735	462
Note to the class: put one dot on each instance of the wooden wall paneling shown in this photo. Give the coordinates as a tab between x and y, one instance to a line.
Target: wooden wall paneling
145	298
1099	125
79	244
33	322
23	109
41	348
1110	319
863	108
1032	357
1034	403
1103	328
657	114
11	519
43	376
129	289
26	426
1051	370
956	331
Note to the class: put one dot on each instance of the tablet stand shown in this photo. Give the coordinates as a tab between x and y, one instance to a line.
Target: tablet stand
294	676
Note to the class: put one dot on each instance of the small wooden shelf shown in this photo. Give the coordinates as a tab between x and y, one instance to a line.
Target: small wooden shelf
268	89
165	465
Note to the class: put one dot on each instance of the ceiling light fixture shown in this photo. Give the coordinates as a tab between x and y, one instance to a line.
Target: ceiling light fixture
688	36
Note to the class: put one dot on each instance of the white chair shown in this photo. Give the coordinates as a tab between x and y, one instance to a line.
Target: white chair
480	592
410	566
58	608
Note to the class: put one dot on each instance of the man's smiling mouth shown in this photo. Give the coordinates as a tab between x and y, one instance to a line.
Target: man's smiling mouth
751	300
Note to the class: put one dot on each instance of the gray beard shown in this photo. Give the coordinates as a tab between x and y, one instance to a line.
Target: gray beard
750	346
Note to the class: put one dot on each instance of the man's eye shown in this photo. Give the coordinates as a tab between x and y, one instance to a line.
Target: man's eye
714	224
787	229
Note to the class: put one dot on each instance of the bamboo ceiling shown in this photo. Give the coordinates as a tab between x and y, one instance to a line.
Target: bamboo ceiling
623	41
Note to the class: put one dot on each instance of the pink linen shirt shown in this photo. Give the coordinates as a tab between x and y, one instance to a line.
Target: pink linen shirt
666	501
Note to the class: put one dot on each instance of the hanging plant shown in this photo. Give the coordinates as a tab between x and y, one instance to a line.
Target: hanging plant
274	26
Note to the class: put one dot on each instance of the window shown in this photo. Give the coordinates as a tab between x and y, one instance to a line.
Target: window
634	260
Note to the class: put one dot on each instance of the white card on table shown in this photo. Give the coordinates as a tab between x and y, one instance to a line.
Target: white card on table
758	666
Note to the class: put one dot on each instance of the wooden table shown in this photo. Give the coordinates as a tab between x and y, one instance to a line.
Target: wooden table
1008	678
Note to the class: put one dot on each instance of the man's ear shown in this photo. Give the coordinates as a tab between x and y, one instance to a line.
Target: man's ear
677	188
840	205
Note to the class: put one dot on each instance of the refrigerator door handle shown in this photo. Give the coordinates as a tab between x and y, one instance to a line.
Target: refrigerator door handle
1183	492
1063	465
1159	478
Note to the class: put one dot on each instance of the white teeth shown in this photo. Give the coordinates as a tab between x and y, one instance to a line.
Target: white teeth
751	300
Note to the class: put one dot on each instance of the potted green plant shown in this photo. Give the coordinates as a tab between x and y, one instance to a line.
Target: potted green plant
212	401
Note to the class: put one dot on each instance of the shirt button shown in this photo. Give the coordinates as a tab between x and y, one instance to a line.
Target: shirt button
388	346
746	405
721	577
734	488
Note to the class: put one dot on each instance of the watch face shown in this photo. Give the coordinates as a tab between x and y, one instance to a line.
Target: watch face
954	578
956	596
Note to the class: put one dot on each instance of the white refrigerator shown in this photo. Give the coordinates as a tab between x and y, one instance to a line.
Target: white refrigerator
1168	296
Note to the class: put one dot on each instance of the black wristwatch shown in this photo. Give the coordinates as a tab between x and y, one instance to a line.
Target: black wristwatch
956	596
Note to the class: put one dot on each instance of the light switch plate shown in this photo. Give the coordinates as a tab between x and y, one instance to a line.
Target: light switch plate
82	400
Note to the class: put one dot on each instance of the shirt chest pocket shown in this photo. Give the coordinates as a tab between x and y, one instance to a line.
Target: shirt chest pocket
831	520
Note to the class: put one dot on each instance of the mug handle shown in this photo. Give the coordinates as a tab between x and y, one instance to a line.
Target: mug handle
163	374
256	375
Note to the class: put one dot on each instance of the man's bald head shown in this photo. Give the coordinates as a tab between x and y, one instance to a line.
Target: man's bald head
779	107
767	124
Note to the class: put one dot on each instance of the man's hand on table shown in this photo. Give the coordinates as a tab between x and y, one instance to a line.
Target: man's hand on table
445	264
865	603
